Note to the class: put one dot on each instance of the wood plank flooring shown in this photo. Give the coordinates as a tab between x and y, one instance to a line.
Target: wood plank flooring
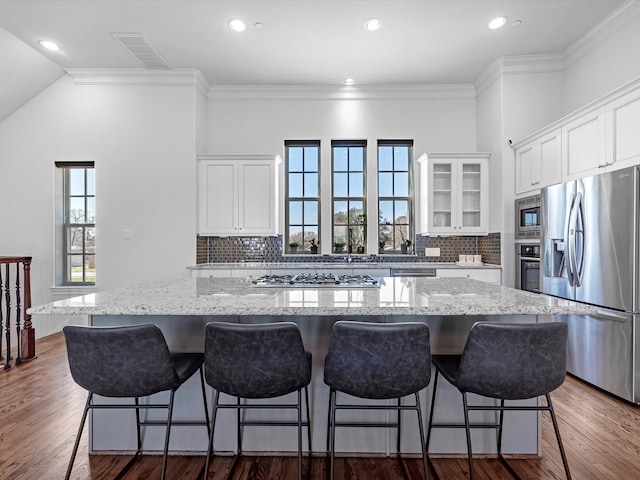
40	409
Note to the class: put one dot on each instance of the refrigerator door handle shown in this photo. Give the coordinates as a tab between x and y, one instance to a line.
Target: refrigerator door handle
568	241
579	235
610	316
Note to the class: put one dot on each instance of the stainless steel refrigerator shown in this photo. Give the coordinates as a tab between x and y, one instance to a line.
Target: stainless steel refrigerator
589	238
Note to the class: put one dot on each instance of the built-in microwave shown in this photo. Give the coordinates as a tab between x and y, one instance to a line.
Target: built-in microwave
528	218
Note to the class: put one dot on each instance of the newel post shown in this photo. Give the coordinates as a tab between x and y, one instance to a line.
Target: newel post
28	334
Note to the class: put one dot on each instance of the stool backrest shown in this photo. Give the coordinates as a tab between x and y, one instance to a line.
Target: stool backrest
514	361
255	360
129	361
378	360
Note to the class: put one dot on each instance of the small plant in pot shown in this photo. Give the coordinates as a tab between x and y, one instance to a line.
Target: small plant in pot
313	245
338	246
381	244
293	247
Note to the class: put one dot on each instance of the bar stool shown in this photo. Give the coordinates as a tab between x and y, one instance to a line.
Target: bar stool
129	362
257	361
377	361
505	361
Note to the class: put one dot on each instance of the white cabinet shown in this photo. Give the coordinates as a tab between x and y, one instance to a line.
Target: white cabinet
623	115
454	196
538	164
489	275
237	195
584	145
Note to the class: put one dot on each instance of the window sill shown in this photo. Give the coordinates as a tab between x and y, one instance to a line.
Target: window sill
72	290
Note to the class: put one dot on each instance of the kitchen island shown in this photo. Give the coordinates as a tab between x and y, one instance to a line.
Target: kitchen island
182	307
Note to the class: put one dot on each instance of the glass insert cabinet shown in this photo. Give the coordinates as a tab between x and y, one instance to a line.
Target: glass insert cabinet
456	197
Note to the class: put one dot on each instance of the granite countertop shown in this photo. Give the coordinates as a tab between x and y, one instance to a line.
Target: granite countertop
327	265
238	296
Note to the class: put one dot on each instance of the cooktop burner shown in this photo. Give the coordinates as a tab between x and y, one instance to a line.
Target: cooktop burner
316	280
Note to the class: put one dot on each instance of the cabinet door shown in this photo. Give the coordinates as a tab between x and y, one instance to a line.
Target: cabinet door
583	146
442	184
525	168
256	198
549	165
490	275
471	189
218	203
624	115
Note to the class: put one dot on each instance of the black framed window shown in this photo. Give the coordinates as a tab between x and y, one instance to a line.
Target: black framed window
79	227
395	195
349	205
302	198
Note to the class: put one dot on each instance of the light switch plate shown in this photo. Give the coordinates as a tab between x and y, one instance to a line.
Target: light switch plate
432	252
127	234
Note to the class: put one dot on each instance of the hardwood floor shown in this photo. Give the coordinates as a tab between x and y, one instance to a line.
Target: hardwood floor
40	408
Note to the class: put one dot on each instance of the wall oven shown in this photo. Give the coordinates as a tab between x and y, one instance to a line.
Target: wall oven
528	267
528	218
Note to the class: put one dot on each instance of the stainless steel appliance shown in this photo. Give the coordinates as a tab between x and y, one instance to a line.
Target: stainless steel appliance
316	280
528	218
590	254
528	267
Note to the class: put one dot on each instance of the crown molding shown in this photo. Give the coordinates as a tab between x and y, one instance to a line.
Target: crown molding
300	92
612	24
518	65
139	76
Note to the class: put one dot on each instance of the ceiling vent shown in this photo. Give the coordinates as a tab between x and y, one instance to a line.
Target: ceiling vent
138	46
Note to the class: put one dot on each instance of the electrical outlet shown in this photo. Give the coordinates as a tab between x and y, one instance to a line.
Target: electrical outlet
432	252
127	234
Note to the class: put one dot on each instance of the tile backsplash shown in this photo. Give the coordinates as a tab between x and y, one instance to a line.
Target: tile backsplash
269	249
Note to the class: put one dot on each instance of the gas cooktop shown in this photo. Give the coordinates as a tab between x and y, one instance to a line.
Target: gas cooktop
316	280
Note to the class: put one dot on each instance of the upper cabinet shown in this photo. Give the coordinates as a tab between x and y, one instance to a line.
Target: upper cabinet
538	163
584	142
238	195
623	114
454	197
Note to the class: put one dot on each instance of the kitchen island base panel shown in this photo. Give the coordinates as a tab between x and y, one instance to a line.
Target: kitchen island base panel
114	431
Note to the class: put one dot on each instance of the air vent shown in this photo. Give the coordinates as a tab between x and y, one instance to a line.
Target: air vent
138	46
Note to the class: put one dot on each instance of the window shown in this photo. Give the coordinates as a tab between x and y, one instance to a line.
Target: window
78	231
395	206
302	199
349	196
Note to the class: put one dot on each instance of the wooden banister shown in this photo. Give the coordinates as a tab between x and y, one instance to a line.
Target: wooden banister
25	336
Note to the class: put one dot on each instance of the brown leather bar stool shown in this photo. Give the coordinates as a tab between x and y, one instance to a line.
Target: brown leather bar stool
129	362
257	361
505	361
377	361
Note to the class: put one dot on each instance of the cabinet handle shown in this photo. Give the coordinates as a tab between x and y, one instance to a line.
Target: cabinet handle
602	165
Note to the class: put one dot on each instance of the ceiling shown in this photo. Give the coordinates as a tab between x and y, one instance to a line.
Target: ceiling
306	42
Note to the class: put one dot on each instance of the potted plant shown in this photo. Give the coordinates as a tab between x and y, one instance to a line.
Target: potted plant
404	248
381	244
314	245
293	247
338	246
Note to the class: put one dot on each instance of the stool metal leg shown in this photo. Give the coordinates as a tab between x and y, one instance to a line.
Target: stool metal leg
422	442
77	442
399	426
431	410
468	430
299	409
213	429
332	413
557	430
306	396
204	400
168	433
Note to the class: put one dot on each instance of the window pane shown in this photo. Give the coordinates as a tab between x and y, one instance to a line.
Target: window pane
340	235
385	184
340	213
295	213
295	184
90	268
310	184
311	213
311	159
295	159
76	181
385	158
340	159
358	236
356	185
91	190
402	211
340	184
295	234
401	184
76	264
355	212
401	158
386	212
76	210
74	239
356	159
309	233
90	240
91	210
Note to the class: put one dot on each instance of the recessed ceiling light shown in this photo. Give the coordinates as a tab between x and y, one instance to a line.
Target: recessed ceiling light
497	22
373	24
237	25
349	81
54	47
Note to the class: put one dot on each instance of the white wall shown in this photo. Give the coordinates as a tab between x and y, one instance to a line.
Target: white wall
142	140
611	64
